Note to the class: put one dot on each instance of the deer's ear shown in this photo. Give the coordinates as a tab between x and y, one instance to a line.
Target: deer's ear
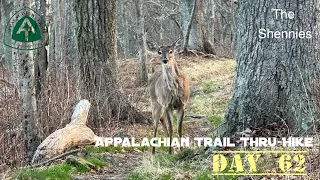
176	44
152	46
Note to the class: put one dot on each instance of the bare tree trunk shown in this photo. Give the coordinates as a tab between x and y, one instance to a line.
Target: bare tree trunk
210	18
29	105
97	43
124	31
224	27
41	61
52	31
187	25
206	45
6	8
141	41
24	60
196	31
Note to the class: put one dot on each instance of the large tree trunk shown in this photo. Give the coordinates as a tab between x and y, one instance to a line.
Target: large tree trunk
277	79
97	43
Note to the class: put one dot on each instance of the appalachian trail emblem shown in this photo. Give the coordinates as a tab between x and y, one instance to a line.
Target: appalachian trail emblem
26	30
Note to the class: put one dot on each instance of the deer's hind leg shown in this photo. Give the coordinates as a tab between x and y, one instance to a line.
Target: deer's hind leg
179	122
156	113
164	124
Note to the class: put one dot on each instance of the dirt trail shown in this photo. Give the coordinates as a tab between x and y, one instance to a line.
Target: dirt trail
123	163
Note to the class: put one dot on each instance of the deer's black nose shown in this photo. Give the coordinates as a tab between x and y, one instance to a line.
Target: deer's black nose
165	61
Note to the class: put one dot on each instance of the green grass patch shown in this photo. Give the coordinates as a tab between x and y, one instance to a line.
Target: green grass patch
203	175
215	119
57	172
97	162
82	168
172	166
102	149
138	176
144	148
185	154
166	176
113	149
208	86
165	160
223	177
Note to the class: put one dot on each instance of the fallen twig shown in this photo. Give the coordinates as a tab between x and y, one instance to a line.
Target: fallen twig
195	116
54	158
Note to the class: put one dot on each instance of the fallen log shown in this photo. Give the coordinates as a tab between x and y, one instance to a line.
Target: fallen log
75	133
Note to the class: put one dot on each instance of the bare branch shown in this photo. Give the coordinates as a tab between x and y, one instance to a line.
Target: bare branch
172	2
55	158
154	3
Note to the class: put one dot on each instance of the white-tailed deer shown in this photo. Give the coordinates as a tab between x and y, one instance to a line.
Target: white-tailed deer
169	90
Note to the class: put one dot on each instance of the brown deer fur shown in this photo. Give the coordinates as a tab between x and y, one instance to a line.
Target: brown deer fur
169	90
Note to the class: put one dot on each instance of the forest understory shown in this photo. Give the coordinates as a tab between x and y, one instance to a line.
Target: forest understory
211	88
212	83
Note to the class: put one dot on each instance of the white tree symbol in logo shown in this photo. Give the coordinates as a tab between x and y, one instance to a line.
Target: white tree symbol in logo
26	29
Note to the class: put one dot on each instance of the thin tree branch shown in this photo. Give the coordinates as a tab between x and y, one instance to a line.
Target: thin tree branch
172	2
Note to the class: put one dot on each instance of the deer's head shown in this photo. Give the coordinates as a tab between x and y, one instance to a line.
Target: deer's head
166	53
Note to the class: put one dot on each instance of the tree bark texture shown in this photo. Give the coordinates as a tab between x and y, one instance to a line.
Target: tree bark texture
29	105
41	60
277	79
97	43
24	63
7	8
124	31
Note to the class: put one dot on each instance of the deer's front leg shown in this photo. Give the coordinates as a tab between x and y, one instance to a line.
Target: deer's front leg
156	112
170	127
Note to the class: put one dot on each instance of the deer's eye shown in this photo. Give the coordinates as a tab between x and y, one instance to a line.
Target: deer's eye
159	52
170	51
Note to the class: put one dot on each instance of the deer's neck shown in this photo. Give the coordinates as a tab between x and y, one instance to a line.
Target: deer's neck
170	75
